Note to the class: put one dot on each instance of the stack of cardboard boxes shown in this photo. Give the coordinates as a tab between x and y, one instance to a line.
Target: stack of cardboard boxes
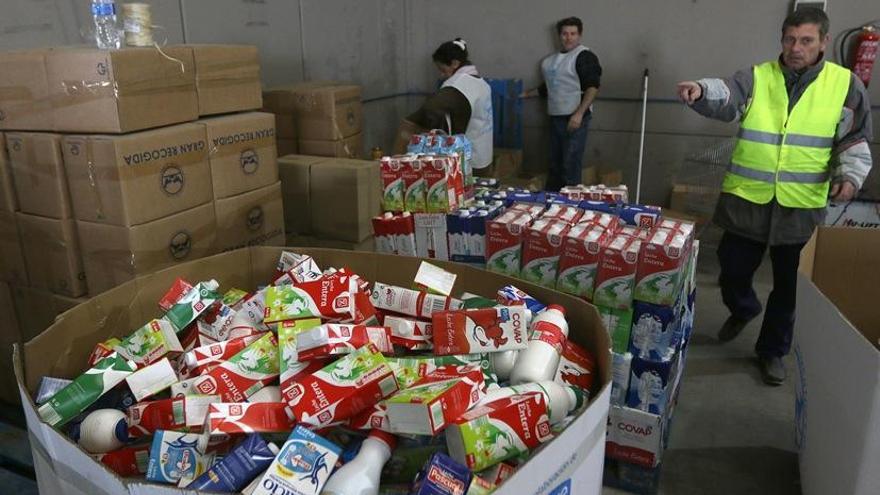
317	118
110	174
329	202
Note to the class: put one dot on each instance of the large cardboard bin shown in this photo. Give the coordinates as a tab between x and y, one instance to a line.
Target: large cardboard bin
837	351
572	462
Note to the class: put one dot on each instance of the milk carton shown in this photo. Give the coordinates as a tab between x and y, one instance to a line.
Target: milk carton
579	261
192	304
301	467
431	236
442	476
620	374
660	274
395	233
642	216
244	374
510	295
634	436
653	331
431	403
410	302
565	213
618	322
439	173
637	232
246	417
415	189
150	343
175	455
651	384
499	430
145	418
576	367
204	358
152	379
607	220
411	334
504	237
480	330
330	297
392	183
290	366
342	389
542	246
534	209
335	339
615	277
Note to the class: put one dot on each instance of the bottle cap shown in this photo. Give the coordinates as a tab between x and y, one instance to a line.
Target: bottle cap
557	308
385	437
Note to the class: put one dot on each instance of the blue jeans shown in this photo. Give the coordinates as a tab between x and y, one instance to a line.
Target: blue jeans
566	152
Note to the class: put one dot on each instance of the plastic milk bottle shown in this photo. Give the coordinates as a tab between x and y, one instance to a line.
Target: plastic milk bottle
360	476
540	360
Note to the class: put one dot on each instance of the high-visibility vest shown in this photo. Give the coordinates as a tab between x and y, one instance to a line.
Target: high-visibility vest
786	154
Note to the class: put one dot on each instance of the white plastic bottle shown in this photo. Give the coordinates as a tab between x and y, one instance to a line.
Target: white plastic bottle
561	400
504	361
540	360
360	476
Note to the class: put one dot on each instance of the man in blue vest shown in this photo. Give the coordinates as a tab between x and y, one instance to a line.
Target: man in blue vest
571	83
804	130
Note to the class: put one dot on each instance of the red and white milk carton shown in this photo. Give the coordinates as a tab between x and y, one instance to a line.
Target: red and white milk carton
329	297
632	231
174	293
144	418
576	367
499	430
412	334
566	213
415	189
474	331
392	183
534	210
433	402
661	264
615	278
504	239
579	261
202	359
247	417
542	246
333	339
244	374
410	302
440	175
607	220
342	389
575	193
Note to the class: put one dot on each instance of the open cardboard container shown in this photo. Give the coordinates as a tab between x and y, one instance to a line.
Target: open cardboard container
575	458
837	351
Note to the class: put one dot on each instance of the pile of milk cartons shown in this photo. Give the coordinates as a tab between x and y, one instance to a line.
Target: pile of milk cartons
448	394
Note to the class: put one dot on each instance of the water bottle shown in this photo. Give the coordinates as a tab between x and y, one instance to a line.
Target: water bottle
106	31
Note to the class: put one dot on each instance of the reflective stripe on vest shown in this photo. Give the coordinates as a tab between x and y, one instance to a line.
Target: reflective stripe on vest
786	154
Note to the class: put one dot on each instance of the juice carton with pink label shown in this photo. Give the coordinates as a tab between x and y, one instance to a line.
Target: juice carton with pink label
500	430
504	239
579	261
415	188
434	401
334	339
244	374
615	278
660	272
342	389
480	330
541	249
392	183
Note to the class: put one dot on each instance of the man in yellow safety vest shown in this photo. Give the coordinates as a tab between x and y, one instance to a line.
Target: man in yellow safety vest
804	130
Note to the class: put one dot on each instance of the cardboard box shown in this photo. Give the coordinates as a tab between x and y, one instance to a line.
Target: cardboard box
697	201
24	91
52	254
37	309
577	453
38	174
125	90
295	174
285	126
837	355
282	99
864	214
114	254
344	197
286	146
368	245
136	178
404	133
12	265
8	199
9	335
242	152
328	112
254	218
506	162
350	147
227	78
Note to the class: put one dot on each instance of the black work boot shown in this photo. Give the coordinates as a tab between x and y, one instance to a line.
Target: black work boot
772	370
731	328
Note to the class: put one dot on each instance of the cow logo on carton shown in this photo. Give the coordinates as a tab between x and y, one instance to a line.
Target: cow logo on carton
254	219
249	161
171	179
180	245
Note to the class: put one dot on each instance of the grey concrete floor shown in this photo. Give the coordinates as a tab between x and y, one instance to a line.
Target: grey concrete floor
731	433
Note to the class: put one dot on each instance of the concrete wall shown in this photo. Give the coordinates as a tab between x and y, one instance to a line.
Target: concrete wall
385	45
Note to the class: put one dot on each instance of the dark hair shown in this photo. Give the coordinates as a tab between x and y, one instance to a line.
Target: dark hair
807	15
570	21
452	50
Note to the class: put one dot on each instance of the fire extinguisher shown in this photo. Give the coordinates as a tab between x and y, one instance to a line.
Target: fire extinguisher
864	52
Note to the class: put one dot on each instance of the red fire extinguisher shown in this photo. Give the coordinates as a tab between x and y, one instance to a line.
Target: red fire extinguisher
864	53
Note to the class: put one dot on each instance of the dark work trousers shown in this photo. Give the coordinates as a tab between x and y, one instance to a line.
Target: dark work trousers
566	152
740	257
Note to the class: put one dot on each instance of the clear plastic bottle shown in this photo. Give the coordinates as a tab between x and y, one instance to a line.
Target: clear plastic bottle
540	360
106	31
360	476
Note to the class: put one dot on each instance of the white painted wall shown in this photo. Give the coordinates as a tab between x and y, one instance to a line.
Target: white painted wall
385	45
